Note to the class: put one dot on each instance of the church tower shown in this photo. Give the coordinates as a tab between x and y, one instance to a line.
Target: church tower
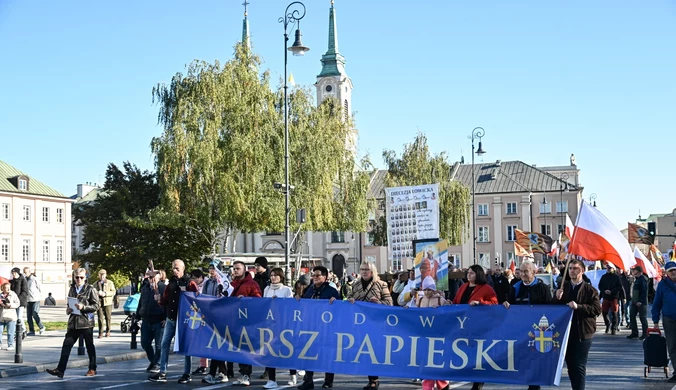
245	27
333	82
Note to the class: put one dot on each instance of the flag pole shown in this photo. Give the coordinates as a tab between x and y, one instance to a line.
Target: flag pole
570	244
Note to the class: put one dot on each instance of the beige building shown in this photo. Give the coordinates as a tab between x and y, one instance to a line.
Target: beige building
509	195
35	230
665	226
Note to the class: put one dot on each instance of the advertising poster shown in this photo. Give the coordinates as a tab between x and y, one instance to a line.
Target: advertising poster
412	214
431	259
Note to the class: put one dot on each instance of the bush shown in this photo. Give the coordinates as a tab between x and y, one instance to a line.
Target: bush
119	279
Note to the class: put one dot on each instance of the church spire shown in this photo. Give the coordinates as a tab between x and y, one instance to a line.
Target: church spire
245	26
333	63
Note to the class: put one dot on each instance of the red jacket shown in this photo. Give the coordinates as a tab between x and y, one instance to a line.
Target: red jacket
246	287
483	293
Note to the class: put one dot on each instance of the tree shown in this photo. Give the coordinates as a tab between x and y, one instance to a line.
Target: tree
119	229
222	149
416	167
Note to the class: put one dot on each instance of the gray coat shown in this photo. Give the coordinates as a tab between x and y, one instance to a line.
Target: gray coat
34	289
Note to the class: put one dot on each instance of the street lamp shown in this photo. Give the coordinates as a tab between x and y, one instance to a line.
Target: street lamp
477	133
592	199
544	231
564	186
290	17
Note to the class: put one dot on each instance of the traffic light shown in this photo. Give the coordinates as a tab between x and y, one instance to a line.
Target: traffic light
652	229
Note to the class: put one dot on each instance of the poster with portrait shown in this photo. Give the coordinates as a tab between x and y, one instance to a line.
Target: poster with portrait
431	259
412	214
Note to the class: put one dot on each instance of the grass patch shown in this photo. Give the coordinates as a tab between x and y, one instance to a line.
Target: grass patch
56	325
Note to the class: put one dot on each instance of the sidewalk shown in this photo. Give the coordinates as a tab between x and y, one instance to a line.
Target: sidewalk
43	351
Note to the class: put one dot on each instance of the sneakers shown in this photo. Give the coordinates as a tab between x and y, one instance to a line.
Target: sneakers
153	368
201	371
42	330
243	380
161	377
271	385
301	373
221	378
30	334
185	378
292	380
209	379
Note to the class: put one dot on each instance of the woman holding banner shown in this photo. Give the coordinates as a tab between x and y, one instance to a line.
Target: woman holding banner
476	292
369	288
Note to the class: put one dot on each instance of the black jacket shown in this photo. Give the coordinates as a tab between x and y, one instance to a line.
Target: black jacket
263	279
325	291
626	286
90	299
172	294
610	281
535	294
502	288
588	308
148	308
20	287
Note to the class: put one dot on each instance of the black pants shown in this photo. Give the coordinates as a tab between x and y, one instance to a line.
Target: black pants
641	311
231	369
105	311
576	361
272	373
71	338
33	310
245	369
217	365
309	375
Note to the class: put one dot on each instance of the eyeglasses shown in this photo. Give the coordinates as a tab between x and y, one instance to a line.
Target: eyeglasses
365	269
79	277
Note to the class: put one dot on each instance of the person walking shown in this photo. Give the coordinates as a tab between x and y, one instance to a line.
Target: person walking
369	288
9	301
106	290
20	288
80	323
625	298
34	298
431	298
665	304
152	319
243	286
639	303
213	287
179	283
610	287
277	289
584	300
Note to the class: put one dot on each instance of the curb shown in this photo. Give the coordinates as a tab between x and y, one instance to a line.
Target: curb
73	363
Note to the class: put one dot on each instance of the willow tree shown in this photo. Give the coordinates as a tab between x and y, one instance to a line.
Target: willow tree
222	149
417	166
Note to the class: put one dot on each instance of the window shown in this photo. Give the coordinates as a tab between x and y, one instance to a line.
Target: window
485	260
545	208
26	250
546	229
674	223
45	250
396	264
511	232
59	251
5	211
27	213
45	214
560	228
23	184
381	204
511	208
4	249
510	258
337	237
59	215
483	234
483	209
455	259
562	207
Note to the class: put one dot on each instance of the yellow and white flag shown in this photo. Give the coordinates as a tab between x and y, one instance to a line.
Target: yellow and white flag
291	81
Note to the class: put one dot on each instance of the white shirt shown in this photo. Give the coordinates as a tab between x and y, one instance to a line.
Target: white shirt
279	292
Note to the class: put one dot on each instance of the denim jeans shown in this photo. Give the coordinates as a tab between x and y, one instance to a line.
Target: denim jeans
11	330
576	362
641	311
33	313
167	336
150	332
669	325
625	310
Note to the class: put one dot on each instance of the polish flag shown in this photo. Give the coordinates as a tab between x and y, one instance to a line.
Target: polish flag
512	266
570	228
647	266
596	238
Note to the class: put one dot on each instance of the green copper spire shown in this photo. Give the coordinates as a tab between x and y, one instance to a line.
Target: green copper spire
333	64
245	26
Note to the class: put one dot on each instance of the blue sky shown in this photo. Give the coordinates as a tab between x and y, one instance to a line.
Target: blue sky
545	79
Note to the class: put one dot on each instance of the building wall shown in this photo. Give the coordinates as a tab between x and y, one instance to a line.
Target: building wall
666	225
44	239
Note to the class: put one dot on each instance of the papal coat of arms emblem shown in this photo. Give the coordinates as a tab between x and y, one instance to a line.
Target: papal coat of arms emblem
195	318
543	337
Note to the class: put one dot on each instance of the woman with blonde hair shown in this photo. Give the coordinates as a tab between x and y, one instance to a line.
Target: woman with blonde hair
369	288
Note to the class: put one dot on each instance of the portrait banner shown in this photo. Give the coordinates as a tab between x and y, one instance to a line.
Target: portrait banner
431	259
520	345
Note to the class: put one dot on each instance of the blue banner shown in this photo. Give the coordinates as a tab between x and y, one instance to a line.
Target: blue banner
519	345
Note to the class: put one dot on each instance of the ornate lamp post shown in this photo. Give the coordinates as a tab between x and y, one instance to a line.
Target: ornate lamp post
564	187
477	134
592	199
292	15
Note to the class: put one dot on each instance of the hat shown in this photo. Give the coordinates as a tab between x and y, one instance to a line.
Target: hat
17	270
638	268
304	279
262	261
428	283
350	278
670	265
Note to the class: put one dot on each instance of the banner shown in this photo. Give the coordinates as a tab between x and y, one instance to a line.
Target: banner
520	345
431	259
637	234
412	214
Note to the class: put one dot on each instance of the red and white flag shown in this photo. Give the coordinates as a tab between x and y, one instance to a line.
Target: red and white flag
512	266
570	228
656	265
647	265
596	238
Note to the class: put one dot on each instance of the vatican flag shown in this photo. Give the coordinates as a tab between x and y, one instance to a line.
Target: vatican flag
291	81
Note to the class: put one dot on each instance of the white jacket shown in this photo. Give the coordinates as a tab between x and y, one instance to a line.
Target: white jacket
279	292
9	314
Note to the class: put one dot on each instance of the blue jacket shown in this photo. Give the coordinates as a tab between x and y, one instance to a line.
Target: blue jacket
325	291
665	300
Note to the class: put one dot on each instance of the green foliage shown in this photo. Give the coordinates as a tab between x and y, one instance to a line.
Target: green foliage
416	167
222	149
121	232
119	278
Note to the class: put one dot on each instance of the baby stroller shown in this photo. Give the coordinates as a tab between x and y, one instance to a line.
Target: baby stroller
130	306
